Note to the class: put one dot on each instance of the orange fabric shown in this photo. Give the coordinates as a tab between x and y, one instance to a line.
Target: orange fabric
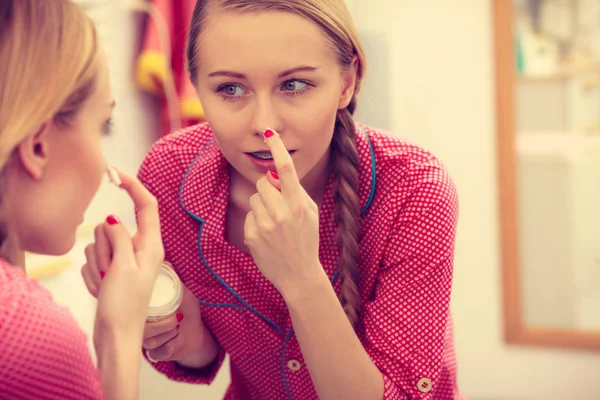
153	65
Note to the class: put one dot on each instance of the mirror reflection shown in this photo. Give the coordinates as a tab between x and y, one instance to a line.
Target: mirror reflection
557	138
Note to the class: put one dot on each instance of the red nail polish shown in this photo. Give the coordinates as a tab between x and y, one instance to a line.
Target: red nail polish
179	317
269	133
274	175
102	274
112	220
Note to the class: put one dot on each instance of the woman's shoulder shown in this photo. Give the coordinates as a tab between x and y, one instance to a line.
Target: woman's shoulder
395	153
171	155
403	167
389	148
38	336
15	283
179	147
25	303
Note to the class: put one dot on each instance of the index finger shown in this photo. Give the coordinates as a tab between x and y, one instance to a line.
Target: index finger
283	163
103	249
145	203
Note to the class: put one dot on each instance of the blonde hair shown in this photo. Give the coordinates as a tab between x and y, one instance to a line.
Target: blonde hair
333	18
49	51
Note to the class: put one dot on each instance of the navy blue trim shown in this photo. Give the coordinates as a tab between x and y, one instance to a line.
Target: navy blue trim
373	174
224	305
219	279
335	276
233	292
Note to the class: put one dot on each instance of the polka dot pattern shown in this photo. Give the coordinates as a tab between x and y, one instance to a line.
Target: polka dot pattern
405	272
43	353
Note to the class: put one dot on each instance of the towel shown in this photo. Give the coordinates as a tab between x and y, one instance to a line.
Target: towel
154	66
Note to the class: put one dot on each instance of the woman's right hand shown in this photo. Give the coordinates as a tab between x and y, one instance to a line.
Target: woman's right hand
129	267
120	270
181	337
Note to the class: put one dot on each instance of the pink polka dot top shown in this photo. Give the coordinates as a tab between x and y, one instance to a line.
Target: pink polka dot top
44	354
408	221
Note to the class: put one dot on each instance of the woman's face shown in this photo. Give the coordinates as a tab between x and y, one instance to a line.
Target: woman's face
270	70
57	173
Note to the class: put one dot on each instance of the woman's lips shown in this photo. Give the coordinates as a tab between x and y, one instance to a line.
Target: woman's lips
264	164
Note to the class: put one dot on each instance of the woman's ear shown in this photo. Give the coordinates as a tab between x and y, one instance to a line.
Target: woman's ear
33	152
349	83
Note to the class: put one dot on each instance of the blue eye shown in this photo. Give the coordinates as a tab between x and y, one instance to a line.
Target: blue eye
291	87
294	85
231	90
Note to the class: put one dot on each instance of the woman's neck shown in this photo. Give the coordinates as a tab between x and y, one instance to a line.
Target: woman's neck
19	260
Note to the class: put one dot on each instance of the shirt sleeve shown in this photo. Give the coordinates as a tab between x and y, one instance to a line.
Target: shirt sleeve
179	373
406	320
43	353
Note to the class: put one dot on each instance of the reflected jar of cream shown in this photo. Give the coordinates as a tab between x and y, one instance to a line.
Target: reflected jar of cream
166	295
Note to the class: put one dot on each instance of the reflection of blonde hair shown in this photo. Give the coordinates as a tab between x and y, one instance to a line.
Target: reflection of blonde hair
333	18
48	50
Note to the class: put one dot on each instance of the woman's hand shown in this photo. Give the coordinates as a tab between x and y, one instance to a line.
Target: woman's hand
126	293
129	266
282	229
181	337
127	269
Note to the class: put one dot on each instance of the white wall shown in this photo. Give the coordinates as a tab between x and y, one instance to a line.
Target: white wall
440	87
135	119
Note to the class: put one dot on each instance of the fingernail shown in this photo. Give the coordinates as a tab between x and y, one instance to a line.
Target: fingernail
112	220
179	317
274	175
269	133
102	274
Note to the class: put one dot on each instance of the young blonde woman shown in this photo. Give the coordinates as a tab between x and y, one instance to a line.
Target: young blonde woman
316	252
55	104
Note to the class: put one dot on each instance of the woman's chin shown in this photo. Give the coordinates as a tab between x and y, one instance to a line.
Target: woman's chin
55	247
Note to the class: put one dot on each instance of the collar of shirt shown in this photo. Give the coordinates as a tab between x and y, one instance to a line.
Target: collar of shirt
204	195
204	190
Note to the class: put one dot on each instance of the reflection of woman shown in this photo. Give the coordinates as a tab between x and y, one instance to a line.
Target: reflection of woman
55	104
361	216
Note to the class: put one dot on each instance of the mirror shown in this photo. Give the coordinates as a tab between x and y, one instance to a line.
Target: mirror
548	126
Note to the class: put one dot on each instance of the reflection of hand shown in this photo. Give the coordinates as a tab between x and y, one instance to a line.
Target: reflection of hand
282	229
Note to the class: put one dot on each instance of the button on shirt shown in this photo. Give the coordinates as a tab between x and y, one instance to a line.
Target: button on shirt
409	212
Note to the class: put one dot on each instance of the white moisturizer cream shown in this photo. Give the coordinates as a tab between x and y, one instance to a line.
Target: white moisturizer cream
163	292
166	295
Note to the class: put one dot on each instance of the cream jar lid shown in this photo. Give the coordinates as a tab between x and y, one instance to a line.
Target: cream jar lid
166	295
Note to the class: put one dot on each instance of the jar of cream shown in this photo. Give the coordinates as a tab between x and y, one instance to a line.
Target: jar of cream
166	295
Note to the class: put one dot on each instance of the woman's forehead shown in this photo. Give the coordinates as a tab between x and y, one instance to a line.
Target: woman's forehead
269	39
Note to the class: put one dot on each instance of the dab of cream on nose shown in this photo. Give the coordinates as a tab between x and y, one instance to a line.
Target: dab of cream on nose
113	176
